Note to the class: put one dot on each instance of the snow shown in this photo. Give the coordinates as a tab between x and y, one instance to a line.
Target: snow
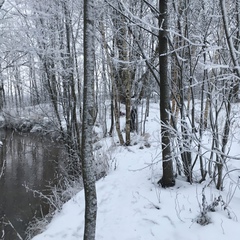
131	206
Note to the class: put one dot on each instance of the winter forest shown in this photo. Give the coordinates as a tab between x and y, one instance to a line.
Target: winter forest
143	96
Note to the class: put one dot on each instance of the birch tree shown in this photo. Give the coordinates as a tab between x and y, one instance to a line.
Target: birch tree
87	125
1	84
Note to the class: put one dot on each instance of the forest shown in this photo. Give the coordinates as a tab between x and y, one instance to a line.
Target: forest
81	71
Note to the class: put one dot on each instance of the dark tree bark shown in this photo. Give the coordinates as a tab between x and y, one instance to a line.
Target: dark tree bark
87	125
1	3
133	123
2	91
167	179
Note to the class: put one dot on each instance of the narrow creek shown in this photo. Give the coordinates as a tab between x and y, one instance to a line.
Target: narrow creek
31	161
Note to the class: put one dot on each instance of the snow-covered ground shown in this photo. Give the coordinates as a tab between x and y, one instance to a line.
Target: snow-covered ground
131	205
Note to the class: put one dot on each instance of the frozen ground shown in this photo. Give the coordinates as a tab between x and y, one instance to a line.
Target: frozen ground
131	206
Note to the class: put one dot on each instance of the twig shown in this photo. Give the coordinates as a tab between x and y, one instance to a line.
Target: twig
3	167
11	225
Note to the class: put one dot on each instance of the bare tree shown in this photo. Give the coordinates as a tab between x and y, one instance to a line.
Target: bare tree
167	179
230	95
89	177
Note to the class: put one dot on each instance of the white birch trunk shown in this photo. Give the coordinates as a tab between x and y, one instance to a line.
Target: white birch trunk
88	121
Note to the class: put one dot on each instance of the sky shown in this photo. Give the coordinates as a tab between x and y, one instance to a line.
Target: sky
132	206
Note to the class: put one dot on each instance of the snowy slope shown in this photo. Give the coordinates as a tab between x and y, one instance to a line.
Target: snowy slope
131	206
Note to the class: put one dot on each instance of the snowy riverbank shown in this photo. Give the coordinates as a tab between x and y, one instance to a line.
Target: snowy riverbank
131	206
33	119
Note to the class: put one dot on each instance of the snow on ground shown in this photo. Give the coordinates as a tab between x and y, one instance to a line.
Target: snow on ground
131	206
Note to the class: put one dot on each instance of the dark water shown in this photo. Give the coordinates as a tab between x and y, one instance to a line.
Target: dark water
29	160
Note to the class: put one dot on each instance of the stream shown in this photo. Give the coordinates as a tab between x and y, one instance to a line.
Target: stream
32	161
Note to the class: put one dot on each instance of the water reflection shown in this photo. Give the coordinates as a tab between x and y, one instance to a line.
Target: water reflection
29	160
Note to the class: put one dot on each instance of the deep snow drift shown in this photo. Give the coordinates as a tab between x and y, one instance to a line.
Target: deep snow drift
131	206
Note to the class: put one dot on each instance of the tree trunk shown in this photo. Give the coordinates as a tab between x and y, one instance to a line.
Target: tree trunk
117	116
124	76
112	114
115	110
87	125
167	179
2	93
